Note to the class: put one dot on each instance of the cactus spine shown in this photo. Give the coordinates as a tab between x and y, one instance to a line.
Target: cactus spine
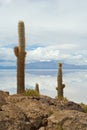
20	54
60	86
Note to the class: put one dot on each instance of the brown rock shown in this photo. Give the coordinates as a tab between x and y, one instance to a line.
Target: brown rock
12	117
3	96
71	106
40	113
67	120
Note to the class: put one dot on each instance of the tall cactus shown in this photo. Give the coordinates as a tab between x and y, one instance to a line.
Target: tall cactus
20	54
60	86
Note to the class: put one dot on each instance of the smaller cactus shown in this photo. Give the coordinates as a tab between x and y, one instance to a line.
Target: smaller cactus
37	88
60	85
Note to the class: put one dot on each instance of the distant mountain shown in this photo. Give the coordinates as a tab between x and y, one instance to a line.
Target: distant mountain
42	65
47	65
53	65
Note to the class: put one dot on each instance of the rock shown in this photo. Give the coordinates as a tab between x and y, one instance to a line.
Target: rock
40	113
3	96
12	118
42	128
71	106
67	120
4	93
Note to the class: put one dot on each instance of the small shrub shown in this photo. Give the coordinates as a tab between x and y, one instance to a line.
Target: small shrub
84	107
64	99
59	127
30	92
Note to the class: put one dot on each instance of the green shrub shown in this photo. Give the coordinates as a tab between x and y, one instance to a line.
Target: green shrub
60	127
30	92
84	107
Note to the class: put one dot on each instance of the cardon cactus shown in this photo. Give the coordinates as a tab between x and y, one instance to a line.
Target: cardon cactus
20	53
37	88
60	85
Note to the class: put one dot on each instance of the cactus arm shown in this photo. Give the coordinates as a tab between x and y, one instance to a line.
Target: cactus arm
16	51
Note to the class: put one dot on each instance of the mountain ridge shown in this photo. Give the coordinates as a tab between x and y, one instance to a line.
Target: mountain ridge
46	65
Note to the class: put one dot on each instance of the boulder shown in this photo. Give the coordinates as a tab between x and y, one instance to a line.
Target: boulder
67	120
18	112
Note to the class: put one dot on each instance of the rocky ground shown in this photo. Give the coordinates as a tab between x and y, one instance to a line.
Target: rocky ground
40	113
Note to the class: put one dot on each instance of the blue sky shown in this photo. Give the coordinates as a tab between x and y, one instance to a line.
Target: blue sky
55	30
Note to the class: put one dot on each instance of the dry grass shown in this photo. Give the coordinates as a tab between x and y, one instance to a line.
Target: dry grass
30	92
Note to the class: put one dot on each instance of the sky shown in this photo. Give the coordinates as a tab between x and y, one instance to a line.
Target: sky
55	30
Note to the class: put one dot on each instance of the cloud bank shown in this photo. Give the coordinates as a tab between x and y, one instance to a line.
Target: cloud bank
57	27
48	53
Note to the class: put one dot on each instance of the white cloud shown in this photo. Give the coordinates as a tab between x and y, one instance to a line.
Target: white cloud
54	53
4	2
58	25
43	53
59	53
6	54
